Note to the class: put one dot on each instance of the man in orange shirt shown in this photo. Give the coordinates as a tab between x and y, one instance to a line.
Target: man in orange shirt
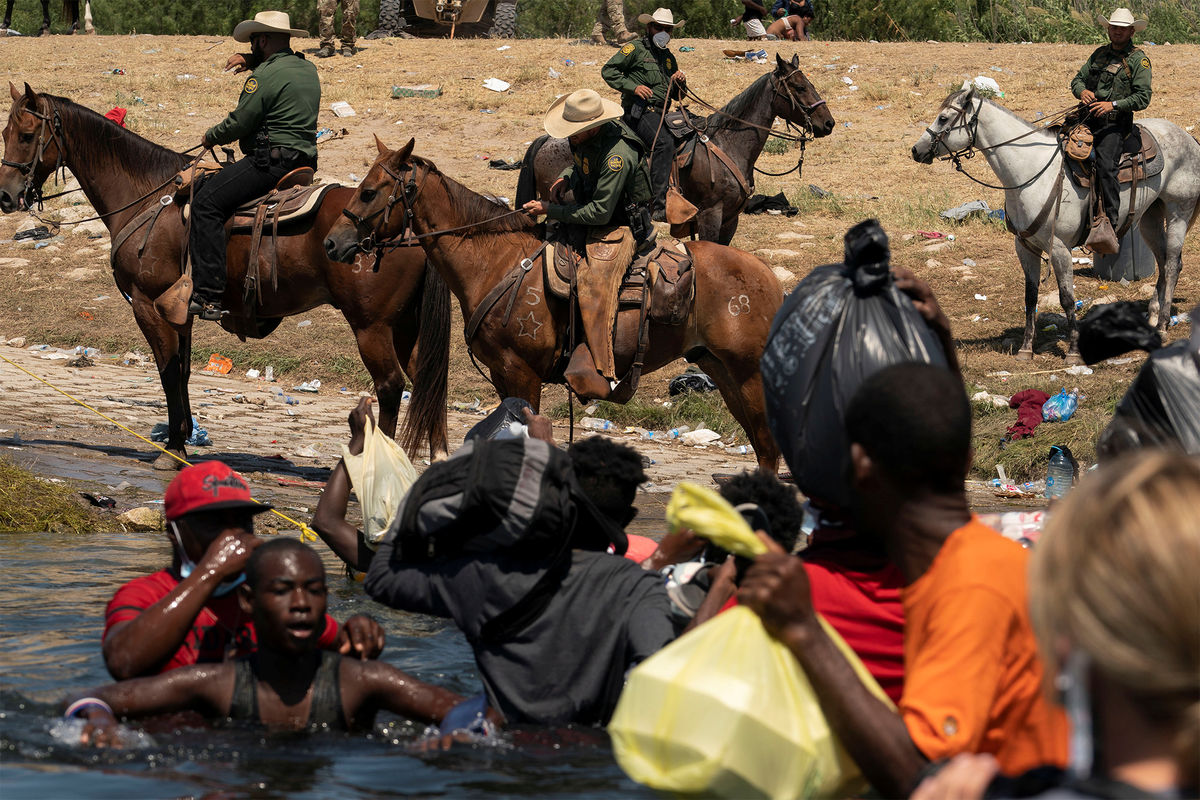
972	676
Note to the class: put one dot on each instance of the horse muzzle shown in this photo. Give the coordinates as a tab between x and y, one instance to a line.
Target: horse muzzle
922	156
341	248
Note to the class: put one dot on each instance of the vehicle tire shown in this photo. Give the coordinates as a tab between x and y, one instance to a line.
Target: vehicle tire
504	21
389	15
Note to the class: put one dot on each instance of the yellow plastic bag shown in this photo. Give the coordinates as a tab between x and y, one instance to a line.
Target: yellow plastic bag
709	515
381	476
726	710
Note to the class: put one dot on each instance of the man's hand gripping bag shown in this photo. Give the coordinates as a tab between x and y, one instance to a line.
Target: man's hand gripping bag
381	476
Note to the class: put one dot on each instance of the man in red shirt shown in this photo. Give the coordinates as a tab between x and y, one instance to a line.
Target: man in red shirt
187	613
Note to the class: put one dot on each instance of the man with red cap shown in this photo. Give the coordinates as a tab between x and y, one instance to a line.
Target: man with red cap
187	614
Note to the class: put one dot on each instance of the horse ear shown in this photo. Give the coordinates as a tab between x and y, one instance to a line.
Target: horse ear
406	151
779	62
796	61
16	93
30	93
380	146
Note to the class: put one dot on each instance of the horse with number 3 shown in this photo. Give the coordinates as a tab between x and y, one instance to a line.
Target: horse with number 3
476	243
1049	214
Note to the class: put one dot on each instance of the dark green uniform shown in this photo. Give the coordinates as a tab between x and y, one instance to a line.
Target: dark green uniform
281	97
636	64
1122	77
275	125
607	177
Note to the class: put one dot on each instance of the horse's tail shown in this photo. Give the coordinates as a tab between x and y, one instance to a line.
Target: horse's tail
426	418
527	180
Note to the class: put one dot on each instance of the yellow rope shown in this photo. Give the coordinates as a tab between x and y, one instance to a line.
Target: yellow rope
306	533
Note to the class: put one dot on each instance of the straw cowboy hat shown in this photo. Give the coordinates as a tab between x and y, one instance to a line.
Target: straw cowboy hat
1122	18
266	22
661	16
579	111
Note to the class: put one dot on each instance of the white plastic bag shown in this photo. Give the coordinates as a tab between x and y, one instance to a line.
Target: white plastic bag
381	477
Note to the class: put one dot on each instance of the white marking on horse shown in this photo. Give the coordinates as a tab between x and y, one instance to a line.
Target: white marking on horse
739	305
534	326
532	296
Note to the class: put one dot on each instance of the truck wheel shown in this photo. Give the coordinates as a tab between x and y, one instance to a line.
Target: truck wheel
504	22
389	15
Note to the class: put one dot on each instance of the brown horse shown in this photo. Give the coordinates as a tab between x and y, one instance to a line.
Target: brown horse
400	311
477	243
740	129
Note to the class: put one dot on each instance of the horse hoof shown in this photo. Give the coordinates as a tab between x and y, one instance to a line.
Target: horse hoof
166	463
1024	355
1074	359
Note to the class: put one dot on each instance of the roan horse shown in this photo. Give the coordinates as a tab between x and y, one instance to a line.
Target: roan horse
476	243
400	311
740	129
1029	161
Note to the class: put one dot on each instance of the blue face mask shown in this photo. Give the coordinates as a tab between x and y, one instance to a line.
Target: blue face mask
661	39
187	567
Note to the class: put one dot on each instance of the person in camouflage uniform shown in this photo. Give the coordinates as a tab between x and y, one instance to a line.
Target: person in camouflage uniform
609	187
611	17
325	11
642	72
1113	83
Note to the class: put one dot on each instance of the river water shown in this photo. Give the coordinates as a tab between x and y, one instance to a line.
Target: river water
53	589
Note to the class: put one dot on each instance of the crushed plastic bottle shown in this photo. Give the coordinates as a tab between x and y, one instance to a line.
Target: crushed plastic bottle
596	424
269	375
675	433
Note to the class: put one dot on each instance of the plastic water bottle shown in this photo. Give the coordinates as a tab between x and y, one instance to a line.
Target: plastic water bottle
675	433
269	375
1059	475
596	424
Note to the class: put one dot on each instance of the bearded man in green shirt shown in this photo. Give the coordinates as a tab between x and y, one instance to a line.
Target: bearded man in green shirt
275	126
1113	83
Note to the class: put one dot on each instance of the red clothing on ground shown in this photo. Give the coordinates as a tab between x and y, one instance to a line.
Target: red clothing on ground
1028	404
219	632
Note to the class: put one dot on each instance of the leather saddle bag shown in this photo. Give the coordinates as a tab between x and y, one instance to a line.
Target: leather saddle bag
1078	144
673	286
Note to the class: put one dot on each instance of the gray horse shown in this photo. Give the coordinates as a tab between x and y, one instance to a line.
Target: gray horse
1029	162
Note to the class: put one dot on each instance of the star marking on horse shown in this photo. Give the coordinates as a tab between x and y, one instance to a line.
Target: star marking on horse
534	326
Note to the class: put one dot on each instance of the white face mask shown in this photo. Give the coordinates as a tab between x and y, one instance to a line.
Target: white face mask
187	566
661	39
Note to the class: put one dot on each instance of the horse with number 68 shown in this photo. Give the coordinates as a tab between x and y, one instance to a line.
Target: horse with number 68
478	244
1049	214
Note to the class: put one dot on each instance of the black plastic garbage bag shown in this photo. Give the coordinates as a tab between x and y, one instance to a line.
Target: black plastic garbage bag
840	325
1114	329
1161	408
499	421
690	382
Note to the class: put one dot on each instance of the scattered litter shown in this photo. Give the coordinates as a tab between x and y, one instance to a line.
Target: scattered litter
308	451
304	323
487	111
199	437
690	382
1079	369
700	436
329	134
981	297
81	361
1061	406
1078	260
184	77
967	262
553	73
252	373
269	375
998	400
496	85
117	71
984	83
253	401
99	500
428	90
960	213
817	191
931	234
342	109
846	79
502	48
461	406
40	232
218	365
687	48
1178	318
308	386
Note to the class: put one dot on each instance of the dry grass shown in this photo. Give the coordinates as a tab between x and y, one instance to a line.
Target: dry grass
29	503
865	163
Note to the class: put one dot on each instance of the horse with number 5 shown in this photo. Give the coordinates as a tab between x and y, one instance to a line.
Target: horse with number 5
398	310
525	334
1048	214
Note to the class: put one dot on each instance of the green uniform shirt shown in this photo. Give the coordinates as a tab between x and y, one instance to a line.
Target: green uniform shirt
1122	77
281	96
608	174
640	63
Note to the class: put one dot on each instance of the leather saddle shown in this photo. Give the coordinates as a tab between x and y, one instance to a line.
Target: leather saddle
1141	158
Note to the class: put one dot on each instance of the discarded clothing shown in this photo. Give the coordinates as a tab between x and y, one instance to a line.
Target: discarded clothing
690	382
500	163
117	115
1028	404
199	438
960	213
761	204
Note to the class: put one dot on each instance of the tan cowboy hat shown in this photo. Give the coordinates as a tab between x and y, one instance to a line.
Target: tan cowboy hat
1122	18
266	22
579	111
661	16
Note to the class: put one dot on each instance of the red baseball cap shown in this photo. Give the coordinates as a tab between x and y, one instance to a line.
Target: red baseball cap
209	486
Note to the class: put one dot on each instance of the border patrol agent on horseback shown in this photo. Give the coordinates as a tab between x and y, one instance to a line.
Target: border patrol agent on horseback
1113	83
642	71
610	187
275	125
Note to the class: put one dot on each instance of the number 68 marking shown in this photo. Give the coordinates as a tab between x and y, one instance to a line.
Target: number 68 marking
739	305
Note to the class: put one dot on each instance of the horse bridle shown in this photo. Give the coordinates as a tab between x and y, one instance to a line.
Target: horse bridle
938	139
402	193
790	93
53	124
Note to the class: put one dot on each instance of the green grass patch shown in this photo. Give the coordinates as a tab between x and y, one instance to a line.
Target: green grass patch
776	146
696	410
28	503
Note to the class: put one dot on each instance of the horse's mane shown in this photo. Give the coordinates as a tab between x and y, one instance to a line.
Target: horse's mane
739	107
473	205
958	93
102	140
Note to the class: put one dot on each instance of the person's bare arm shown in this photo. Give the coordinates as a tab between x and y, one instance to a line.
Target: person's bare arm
674	548
719	591
875	736
329	518
376	685
141	646
207	689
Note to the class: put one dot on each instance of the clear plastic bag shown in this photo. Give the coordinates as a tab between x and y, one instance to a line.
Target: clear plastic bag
1061	407
726	710
381	476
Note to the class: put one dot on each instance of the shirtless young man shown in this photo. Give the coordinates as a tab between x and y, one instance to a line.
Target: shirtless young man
288	683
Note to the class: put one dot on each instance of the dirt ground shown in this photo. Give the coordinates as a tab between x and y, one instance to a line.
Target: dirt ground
882	96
